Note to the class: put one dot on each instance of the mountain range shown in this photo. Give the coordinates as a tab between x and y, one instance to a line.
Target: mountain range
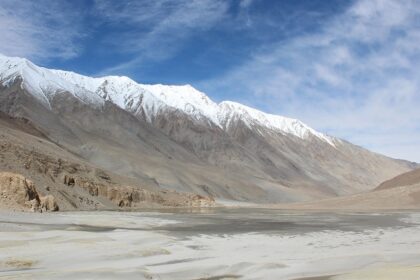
164	140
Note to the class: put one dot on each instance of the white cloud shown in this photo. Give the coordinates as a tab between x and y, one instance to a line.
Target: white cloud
356	78
246	3
39	29
157	28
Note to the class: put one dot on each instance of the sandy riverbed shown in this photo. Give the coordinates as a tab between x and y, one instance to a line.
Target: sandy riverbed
213	244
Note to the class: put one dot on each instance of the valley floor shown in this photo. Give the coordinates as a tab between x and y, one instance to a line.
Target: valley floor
242	243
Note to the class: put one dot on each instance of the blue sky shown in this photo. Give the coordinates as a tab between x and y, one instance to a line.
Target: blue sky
347	68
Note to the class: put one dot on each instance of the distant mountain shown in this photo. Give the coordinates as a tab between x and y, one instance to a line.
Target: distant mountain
406	179
182	140
398	193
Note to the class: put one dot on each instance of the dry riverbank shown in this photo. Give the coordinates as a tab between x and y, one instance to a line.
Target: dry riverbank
214	244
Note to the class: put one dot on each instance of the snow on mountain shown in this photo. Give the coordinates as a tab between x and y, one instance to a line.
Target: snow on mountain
187	99
120	90
43	83
230	111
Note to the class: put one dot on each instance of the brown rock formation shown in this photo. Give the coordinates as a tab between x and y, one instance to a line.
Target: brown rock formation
48	203
19	193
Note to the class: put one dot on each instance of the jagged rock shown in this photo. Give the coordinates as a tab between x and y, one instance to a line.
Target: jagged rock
16	188
48	203
33	205
69	181
122	196
196	200
126	196
19	193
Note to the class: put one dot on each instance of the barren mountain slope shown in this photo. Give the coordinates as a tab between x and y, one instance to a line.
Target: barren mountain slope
114	140
27	153
400	192
184	141
405	179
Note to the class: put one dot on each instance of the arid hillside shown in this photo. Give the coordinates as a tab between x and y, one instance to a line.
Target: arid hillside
37	174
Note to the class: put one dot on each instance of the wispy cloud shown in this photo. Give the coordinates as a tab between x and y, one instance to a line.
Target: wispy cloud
356	78
353	75
156	29
39	29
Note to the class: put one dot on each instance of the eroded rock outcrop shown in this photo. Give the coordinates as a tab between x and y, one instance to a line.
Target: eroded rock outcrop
19	193
129	196
126	196
76	185
68	180
48	203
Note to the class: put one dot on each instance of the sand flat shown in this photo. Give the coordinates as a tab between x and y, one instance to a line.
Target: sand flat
218	244
390	272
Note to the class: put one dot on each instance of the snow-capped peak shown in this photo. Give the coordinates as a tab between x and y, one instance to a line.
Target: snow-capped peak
41	82
150	100
187	99
231	110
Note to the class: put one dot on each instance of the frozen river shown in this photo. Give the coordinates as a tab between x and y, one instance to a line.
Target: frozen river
209	244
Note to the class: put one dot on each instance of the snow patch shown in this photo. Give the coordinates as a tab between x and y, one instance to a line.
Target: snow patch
147	100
